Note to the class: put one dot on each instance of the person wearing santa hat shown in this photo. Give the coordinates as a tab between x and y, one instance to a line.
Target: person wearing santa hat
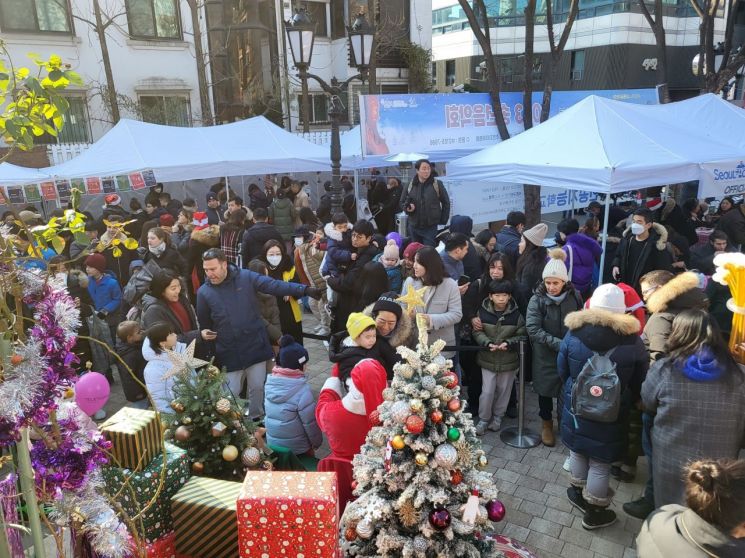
345	419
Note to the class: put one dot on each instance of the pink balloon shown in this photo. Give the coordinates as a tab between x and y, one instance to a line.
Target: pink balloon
91	392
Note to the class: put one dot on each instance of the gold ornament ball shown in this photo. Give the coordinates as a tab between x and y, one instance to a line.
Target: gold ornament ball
177	406
197	467
182	434
251	457
212	370
421	459
416	405
186	420
230	453
222	406
398	442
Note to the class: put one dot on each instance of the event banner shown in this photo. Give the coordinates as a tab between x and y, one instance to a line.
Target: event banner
722	179
492	201
428	123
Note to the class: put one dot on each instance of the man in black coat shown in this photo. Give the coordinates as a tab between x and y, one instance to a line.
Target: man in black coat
386	219
733	224
255	237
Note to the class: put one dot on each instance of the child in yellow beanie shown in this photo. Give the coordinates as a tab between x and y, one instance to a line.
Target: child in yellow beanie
358	342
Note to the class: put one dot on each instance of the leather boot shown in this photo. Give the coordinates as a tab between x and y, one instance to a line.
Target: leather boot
547	434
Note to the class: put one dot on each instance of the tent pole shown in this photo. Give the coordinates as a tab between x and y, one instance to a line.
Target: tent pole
605	238
227	190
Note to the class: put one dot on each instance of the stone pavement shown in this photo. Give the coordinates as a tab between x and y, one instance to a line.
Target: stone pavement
531	482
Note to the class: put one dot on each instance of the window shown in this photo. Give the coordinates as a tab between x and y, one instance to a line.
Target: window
153	19
77	125
319	108
578	65
449	72
171	110
317	13
36	16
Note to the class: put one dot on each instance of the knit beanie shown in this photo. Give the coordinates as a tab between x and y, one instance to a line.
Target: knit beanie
390	251
292	354
394	236
608	297
411	250
536	234
387	303
555	267
96	261
368	382
357	322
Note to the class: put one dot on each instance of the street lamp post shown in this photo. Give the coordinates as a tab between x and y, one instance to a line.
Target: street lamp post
301	36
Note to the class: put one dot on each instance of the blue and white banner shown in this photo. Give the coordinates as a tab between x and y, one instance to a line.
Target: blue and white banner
722	179
428	123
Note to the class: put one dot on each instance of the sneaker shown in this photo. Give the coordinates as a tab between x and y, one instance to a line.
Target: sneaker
481	428
566	466
621	474
495	425
511	412
574	493
640	508
597	517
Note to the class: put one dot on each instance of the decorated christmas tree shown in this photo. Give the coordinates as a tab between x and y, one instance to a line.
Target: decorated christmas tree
420	485
209	422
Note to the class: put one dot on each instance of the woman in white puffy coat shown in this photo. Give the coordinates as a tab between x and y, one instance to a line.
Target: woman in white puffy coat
160	336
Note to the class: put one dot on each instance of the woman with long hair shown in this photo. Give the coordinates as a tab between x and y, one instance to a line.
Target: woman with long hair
280	266
713	524
531	259
161	250
442	304
231	234
697	394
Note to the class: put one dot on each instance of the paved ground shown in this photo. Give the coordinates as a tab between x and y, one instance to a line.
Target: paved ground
532	485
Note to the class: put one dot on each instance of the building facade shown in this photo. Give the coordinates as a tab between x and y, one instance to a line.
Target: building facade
611	46
149	45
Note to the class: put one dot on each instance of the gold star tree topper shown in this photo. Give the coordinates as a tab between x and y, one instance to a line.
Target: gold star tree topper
183	362
412	298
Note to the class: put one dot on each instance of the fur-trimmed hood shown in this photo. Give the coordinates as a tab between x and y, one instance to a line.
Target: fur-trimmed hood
332	233
667	208
661	231
402	333
208	236
622	324
682	291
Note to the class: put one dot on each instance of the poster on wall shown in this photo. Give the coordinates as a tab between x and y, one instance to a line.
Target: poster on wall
428	123
149	178
122	183
93	185
109	185
47	191
719	180
32	193
78	184
137	181
15	195
63	190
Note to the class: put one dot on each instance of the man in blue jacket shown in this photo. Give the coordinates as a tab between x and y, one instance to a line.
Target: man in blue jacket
105	292
227	304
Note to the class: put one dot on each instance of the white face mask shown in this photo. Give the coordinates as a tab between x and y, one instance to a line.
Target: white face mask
274	261
637	229
299	241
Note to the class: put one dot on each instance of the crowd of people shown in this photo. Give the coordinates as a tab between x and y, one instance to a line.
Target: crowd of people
637	365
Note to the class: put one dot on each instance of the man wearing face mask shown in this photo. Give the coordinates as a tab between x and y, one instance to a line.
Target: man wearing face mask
643	249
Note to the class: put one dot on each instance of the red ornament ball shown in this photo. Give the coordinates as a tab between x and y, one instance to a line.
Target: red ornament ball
456	477
495	510
454	404
440	519
375	418
436	416
451	380
415	424
350	534
354	485
16	359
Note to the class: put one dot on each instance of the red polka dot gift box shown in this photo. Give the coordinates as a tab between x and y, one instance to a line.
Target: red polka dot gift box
283	514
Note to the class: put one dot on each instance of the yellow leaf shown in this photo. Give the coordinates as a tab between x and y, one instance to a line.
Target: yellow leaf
22	73
131	244
58	243
116	252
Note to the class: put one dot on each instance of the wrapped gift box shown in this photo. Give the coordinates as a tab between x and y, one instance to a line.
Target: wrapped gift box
164	547
288	514
135	435
142	485
204	518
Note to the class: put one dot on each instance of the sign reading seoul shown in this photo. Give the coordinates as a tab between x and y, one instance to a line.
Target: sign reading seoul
719	180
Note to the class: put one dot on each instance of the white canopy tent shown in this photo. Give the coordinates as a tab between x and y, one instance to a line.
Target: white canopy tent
249	147
12	175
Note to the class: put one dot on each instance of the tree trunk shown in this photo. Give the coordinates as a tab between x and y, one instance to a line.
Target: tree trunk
106	59
484	40
529	44
204	97
657	25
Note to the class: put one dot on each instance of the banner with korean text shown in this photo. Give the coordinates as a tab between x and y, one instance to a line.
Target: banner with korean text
428	123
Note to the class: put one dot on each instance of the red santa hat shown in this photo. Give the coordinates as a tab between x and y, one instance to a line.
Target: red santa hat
634	304
654	204
199	220
365	388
